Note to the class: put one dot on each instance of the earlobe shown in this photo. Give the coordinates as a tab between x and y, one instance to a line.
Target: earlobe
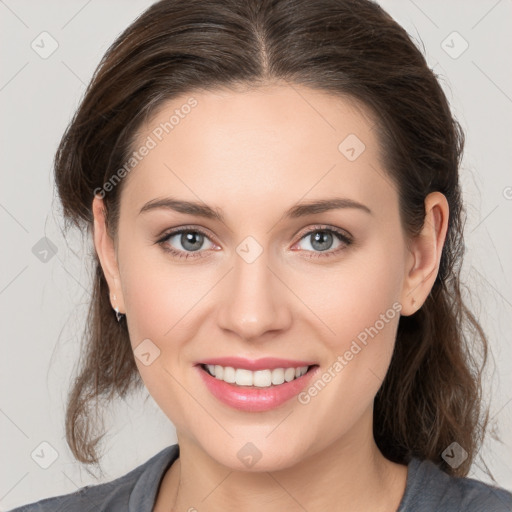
425	254
105	250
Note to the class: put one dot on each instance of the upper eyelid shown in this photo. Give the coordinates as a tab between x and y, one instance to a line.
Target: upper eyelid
306	232
177	231
324	227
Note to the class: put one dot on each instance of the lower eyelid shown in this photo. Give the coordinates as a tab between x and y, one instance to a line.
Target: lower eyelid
344	239
165	239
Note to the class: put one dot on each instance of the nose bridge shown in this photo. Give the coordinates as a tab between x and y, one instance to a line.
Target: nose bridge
252	303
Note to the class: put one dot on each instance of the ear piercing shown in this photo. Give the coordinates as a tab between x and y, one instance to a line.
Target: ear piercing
119	316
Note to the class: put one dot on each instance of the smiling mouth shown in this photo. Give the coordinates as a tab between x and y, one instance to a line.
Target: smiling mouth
264	378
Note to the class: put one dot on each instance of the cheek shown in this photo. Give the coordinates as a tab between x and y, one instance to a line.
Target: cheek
358	304
158	293
359	357
162	305
358	294
157	302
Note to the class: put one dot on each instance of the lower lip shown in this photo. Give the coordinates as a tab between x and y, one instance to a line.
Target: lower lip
253	399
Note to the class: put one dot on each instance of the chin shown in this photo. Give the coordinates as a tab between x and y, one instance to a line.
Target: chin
256	456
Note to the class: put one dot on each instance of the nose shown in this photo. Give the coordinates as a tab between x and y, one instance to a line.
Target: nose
254	301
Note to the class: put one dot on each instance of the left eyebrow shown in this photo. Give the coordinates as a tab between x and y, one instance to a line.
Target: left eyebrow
190	207
324	205
299	210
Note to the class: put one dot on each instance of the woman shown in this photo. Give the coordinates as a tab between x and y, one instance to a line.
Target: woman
272	191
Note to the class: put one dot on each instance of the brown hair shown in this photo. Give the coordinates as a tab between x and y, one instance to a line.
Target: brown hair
431	395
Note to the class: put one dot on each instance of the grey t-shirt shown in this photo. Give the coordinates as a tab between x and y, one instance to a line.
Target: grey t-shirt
428	489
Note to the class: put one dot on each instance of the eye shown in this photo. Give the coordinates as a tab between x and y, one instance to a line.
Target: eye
320	240
190	239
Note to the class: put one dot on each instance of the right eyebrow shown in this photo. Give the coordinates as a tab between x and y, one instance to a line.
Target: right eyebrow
324	205
299	210
189	207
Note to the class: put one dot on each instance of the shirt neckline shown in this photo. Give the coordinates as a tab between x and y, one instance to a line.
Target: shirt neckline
144	493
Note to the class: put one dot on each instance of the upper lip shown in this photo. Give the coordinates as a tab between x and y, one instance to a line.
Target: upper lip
265	363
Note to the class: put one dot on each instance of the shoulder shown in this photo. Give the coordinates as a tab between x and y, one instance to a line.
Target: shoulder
134	491
431	489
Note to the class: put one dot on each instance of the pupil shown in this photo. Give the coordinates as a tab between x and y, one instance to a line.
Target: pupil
323	239
194	239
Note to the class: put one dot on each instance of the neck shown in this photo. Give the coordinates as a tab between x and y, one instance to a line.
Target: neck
349	474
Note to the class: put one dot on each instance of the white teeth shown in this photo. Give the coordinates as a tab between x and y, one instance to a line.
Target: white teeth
262	378
242	377
277	376
219	370
258	378
229	374
289	374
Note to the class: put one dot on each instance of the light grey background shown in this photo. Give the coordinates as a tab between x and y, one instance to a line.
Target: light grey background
43	304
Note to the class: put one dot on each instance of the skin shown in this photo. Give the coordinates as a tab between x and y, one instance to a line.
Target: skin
252	154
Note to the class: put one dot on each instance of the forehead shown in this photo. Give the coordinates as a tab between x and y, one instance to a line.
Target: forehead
282	141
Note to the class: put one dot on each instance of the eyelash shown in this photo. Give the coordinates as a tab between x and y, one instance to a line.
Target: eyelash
340	235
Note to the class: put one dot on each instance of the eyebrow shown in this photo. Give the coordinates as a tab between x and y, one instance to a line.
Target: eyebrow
299	210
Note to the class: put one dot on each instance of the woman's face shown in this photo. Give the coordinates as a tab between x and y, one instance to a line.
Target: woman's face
269	280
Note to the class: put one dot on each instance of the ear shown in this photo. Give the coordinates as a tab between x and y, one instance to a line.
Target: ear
425	254
106	252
